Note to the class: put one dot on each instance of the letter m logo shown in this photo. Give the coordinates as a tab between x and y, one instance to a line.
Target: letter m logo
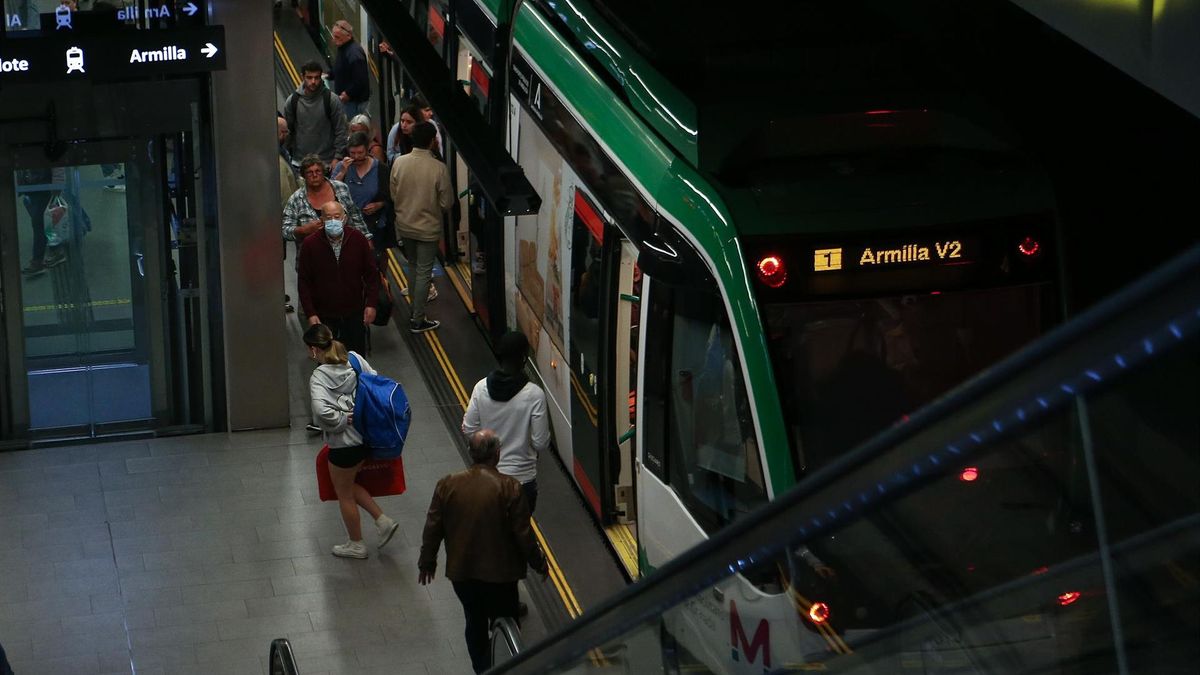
739	644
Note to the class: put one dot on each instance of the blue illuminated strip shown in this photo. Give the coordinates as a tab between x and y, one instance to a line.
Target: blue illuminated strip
1181	329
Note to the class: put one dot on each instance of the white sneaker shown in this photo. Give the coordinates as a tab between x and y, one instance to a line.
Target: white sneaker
350	549
386	527
433	293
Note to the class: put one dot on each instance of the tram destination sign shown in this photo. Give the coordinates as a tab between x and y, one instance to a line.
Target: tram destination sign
123	55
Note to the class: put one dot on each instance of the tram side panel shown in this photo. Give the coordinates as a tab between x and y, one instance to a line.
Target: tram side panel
534	249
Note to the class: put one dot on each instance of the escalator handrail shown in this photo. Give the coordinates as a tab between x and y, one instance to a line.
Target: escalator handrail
1128	317
505	628
281	653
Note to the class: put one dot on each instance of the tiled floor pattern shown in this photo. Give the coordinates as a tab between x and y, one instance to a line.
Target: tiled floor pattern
188	555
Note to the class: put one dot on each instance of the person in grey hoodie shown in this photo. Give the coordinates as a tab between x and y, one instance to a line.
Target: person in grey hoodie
316	118
515	408
331	389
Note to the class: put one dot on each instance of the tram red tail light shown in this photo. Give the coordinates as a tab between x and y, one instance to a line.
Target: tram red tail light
818	613
1068	598
771	271
969	474
1029	247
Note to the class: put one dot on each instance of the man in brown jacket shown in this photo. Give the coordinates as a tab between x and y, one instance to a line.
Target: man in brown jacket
422	194
484	519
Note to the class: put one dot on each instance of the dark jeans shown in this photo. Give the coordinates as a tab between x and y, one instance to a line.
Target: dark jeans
530	490
482	602
349	330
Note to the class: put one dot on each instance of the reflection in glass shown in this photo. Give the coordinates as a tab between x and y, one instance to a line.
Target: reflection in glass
77	297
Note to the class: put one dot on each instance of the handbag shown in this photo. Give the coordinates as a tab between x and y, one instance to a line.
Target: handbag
56	221
380	477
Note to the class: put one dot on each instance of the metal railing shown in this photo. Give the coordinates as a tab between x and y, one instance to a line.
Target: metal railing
281	660
506	640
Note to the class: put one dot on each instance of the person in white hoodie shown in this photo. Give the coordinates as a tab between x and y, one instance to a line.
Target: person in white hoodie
331	389
515	408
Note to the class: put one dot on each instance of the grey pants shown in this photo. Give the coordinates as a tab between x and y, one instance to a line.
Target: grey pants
421	255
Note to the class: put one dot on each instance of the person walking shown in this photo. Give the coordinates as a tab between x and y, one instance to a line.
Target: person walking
338	279
351	82
399	140
508	402
331	390
362	122
422	194
482	516
364	176
316	118
301	214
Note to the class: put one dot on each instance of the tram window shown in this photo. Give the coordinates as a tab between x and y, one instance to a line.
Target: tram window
848	369
707	435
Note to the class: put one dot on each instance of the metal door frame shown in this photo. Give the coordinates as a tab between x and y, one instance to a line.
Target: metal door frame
144	202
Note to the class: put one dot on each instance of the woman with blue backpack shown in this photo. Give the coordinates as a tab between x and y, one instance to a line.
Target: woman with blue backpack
332	389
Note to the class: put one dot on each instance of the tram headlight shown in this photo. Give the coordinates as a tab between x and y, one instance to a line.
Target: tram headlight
771	271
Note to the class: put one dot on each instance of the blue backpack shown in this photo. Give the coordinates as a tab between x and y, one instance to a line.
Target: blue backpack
381	412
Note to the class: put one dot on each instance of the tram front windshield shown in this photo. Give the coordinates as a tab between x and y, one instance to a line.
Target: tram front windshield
848	369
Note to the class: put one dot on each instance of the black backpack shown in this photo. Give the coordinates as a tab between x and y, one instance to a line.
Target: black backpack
290	107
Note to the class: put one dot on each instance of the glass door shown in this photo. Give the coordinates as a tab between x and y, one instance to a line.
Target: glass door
81	347
587	331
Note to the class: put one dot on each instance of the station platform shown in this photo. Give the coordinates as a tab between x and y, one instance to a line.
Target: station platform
190	554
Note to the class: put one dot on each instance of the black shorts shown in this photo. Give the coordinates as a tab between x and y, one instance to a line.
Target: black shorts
347	458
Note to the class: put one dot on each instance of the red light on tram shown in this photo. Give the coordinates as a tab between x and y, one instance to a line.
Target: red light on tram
969	474
1068	598
771	271
818	613
1029	247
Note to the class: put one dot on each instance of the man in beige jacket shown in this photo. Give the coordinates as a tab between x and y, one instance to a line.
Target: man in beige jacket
421	191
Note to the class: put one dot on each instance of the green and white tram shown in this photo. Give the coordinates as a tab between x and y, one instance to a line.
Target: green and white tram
724	295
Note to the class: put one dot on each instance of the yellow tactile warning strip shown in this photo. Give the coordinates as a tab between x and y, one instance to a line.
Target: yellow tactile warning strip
462	284
286	60
71	305
626	547
556	574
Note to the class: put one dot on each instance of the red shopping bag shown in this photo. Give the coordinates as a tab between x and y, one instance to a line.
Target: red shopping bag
381	477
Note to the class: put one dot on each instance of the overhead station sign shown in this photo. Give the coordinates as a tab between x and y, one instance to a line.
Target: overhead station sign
122	55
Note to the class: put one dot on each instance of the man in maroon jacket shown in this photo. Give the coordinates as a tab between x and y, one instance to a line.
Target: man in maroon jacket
338	279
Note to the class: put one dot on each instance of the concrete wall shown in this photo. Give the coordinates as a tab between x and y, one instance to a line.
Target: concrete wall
247	170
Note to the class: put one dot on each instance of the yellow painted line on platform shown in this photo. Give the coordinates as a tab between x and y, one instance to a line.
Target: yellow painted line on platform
625	545
557	576
72	305
374	68
453	275
435	345
286	60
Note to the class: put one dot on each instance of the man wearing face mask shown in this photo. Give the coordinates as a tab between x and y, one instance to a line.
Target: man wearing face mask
338	279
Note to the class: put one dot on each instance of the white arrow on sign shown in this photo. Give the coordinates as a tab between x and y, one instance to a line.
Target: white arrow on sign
191	9
210	50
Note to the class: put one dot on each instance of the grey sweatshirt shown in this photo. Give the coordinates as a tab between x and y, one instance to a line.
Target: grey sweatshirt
331	389
311	131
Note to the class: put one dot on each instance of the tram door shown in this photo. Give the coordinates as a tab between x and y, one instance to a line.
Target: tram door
627	332
83	312
587	333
